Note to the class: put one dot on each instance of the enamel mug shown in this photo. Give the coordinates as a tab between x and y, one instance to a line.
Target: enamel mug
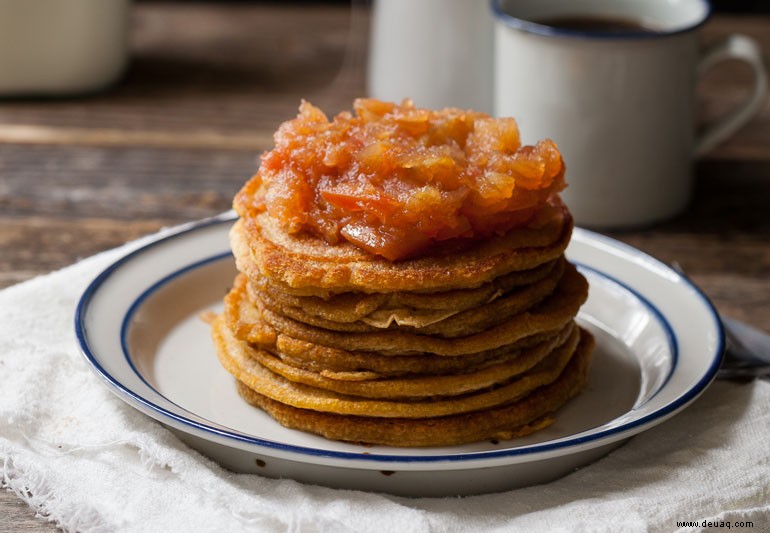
619	104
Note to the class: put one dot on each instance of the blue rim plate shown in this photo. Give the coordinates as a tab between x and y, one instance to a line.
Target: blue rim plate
659	345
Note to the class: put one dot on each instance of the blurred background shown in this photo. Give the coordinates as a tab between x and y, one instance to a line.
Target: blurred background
180	129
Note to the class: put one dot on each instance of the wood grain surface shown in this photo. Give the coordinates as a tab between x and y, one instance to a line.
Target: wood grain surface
207	86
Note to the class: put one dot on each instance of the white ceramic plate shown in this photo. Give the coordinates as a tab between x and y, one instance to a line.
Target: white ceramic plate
659	344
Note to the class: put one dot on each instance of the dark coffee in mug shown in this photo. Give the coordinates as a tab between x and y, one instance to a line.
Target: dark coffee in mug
600	24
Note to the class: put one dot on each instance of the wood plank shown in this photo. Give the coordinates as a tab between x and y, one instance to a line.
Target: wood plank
18	517
37	245
36	134
121	183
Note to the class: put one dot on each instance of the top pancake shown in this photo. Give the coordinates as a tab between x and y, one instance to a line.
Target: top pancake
309	266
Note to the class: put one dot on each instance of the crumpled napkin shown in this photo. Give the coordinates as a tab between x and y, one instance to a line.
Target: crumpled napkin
88	462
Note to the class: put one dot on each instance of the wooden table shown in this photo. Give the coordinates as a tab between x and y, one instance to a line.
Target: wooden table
208	84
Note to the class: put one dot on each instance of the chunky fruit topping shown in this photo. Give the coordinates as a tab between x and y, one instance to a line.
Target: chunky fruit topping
395	180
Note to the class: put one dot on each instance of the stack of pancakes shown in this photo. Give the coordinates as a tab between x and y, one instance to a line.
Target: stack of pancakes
463	344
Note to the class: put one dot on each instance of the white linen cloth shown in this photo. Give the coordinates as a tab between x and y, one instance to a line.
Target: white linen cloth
88	462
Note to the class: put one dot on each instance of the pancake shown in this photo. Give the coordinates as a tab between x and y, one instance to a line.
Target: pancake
313	267
235	359
414	386
441	323
518	418
245	320
354	306
554	312
247	324
342	364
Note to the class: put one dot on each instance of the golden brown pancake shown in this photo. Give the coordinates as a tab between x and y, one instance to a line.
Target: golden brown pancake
247	324
554	312
414	386
502	422
312	267
245	320
234	357
342	364
427	322
354	306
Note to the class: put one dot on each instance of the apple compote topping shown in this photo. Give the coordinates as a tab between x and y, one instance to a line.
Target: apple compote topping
395	179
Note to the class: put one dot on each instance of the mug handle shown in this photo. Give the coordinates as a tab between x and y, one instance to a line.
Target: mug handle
745	49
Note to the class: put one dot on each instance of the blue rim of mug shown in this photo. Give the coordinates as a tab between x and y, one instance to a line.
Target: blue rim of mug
552	31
